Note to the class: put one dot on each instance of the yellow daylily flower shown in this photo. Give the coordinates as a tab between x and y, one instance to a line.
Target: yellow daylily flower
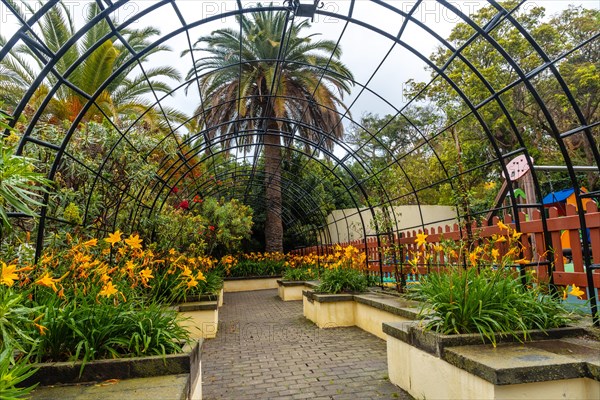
114	238
192	283
502	225
130	265
48	281
576	291
146	274
134	241
41	328
495	254
186	271
108	290
90	243
473	257
516	235
8	275
200	276
421	239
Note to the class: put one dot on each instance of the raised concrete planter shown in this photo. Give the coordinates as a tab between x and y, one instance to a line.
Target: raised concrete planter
202	318
208	297
247	284
292	290
328	310
186	363
367	311
563	364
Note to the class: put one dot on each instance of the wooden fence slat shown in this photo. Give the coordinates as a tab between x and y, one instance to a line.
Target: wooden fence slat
533	241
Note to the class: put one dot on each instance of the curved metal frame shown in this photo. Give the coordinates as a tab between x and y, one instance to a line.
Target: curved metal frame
187	158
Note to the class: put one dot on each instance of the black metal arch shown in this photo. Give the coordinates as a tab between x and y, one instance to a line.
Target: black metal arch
365	185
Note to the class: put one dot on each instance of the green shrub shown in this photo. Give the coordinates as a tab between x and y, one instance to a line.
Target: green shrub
265	267
89	329
13	373
339	280
299	274
212	284
16	320
492	302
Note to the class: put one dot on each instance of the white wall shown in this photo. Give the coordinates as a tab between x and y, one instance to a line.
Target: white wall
345	225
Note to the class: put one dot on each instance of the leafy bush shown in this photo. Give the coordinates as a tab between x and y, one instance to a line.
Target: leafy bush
212	227
339	280
492	302
488	297
344	271
87	330
13	373
299	274
22	187
17	321
246	268
254	264
16	318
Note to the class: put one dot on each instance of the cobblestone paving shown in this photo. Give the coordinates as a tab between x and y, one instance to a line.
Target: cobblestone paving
266	349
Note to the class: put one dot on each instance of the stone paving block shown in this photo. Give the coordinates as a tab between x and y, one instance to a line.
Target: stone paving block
266	349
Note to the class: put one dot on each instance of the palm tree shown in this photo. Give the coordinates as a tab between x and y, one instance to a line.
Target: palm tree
124	96
301	93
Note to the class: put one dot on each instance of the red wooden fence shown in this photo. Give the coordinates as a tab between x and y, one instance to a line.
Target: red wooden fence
535	248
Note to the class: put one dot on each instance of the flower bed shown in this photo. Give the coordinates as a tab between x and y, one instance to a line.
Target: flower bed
89	300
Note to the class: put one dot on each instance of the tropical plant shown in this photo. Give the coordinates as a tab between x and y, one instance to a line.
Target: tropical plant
301	268
344	271
491	303
487	296
86	329
339	280
121	98
21	187
12	373
251	91
299	274
201	226
16	316
256	264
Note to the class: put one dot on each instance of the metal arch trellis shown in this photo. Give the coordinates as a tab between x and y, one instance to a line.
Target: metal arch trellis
169	178
199	150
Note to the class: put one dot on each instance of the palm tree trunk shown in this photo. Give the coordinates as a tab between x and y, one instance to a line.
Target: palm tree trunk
273	223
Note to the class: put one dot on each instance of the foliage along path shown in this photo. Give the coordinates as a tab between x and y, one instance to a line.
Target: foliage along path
266	349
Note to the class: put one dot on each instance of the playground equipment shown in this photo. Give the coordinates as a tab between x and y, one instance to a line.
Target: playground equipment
519	171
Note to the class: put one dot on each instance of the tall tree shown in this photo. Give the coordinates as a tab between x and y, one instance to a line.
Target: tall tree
122	98
295	88
557	36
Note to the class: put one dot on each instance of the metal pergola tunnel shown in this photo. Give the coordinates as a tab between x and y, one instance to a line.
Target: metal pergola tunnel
495	108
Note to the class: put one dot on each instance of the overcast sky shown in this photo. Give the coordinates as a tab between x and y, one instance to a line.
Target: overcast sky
363	50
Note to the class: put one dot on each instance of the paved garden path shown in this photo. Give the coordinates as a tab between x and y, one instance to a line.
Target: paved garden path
266	349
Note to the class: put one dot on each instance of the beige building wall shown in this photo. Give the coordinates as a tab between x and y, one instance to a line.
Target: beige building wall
347	224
